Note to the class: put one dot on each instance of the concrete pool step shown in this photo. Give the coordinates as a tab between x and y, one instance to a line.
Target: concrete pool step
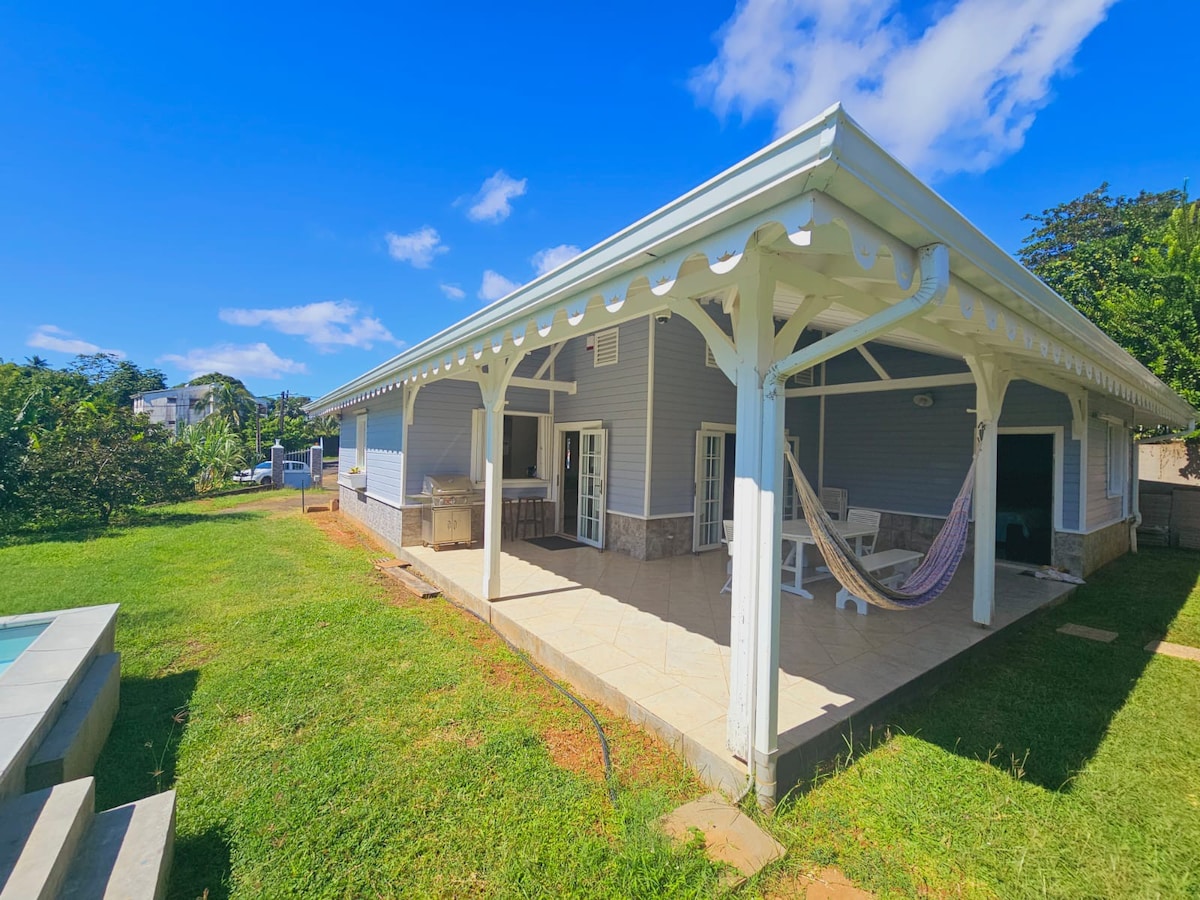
54	845
126	853
73	745
39	834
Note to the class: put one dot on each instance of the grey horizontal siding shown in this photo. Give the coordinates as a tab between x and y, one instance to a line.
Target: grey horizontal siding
528	399
385	457
616	395
889	454
686	393
439	438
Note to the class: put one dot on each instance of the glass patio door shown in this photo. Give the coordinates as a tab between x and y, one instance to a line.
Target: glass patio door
591	486
710	489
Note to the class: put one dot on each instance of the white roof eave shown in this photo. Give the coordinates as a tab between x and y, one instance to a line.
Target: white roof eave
831	154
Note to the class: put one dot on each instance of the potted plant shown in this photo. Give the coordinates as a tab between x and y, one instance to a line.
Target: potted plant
356	478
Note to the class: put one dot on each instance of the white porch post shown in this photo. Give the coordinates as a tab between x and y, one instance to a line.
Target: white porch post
990	386
754	334
766	694
493	385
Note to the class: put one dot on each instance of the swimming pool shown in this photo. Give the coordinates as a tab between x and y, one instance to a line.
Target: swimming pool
15	638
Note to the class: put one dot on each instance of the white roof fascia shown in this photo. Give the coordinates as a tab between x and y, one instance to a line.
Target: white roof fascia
857	155
703	210
831	154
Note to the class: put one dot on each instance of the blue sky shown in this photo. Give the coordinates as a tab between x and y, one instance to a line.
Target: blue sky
290	194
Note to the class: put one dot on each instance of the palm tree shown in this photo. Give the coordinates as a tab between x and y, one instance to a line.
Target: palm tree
217	450
36	362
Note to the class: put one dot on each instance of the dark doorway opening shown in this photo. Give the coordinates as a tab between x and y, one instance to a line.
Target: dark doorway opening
1025	497
569	472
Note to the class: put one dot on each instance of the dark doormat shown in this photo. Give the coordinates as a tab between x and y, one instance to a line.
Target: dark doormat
554	542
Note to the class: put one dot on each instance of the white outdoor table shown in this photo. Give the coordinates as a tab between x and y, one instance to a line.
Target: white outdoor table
797	533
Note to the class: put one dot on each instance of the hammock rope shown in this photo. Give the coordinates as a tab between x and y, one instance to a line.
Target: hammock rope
928	580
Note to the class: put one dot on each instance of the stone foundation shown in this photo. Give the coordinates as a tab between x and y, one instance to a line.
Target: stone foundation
908	532
649	538
384	521
1083	554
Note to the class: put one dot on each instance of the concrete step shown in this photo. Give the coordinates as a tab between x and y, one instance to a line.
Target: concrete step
39	834
126	853
73	745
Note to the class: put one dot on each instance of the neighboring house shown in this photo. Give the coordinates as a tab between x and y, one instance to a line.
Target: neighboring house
176	408
816	293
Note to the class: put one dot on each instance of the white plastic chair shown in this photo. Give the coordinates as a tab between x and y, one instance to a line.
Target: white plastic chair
834	501
727	540
868	517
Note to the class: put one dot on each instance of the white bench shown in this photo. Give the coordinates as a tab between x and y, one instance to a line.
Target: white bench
901	562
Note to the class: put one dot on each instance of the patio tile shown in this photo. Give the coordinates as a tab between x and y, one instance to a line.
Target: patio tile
571	639
638	680
683	707
714	687
600	658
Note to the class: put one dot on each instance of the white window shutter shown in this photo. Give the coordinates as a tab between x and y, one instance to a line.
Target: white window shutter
605	352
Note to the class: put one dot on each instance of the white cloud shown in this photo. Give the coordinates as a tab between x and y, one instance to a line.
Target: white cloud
326	324
418	247
552	257
452	291
495	286
956	95
493	203
51	337
241	361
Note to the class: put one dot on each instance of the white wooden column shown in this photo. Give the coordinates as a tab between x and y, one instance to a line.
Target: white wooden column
990	385
770	511
493	384
754	335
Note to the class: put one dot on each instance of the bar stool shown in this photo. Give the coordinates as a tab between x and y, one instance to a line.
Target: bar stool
531	514
508	518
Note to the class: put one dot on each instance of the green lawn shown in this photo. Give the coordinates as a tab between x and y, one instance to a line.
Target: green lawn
1051	766
328	739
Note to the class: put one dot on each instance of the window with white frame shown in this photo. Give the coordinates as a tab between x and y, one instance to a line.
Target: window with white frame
360	442
1118	458
525	447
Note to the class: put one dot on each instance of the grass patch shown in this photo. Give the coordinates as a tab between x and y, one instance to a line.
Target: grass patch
1049	766
329	738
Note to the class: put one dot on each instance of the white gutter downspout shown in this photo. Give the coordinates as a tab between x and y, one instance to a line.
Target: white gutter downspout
764	705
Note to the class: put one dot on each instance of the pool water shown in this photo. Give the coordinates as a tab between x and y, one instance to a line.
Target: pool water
14	639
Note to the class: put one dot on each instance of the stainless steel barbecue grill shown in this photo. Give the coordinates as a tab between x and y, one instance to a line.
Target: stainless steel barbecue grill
446	518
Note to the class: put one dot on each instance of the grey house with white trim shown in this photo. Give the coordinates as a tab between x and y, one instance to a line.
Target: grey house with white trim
816	295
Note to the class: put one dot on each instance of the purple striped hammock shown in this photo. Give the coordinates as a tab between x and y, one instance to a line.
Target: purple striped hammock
928	580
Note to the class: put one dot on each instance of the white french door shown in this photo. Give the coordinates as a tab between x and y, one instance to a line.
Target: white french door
710	488
592	468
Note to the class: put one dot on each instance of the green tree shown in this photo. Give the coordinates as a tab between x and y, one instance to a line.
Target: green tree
97	460
128	379
1132	266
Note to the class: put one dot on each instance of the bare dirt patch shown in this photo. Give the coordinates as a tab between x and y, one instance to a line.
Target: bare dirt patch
575	750
827	884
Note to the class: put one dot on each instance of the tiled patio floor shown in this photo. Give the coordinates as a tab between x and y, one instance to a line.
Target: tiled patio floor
651	639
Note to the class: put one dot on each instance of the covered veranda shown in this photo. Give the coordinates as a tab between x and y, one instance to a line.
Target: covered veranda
651	640
824	229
